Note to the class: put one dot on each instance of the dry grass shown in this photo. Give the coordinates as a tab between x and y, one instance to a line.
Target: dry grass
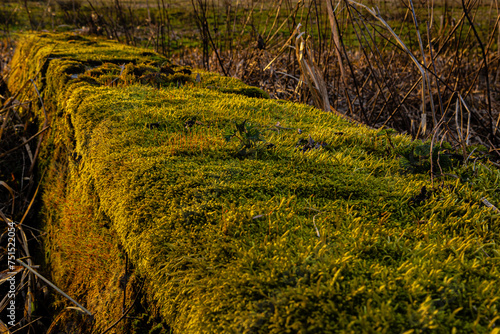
408	75
19	188
396	64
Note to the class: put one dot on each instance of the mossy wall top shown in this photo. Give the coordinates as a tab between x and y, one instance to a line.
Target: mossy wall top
294	221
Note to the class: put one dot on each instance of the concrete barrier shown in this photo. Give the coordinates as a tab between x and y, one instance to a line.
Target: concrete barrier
243	214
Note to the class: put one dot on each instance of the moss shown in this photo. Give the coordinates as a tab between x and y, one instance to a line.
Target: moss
329	239
229	85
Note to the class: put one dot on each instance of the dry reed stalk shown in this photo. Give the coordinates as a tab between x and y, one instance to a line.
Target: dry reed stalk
79	307
378	88
336	36
311	73
28	287
378	16
25	142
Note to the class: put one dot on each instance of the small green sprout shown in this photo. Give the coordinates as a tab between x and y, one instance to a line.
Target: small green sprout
249	137
247	134
417	159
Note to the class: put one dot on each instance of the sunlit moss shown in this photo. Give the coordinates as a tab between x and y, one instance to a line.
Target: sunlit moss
280	238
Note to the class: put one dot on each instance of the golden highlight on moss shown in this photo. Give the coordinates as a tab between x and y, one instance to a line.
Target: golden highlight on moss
315	229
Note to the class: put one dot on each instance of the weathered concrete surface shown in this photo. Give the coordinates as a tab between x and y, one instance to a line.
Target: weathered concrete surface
249	227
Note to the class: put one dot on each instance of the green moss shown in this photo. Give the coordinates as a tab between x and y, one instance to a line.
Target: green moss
229	85
332	238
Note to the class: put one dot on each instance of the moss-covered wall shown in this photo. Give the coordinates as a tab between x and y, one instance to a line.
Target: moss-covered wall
301	223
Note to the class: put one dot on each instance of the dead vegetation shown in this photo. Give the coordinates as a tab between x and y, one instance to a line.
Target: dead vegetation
434	79
20	240
430	70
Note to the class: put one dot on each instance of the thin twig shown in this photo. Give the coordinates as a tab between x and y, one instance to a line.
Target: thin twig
45	122
481	46
32	200
29	323
127	311
12	193
4	124
489	205
24	144
83	309
315	227
5	219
